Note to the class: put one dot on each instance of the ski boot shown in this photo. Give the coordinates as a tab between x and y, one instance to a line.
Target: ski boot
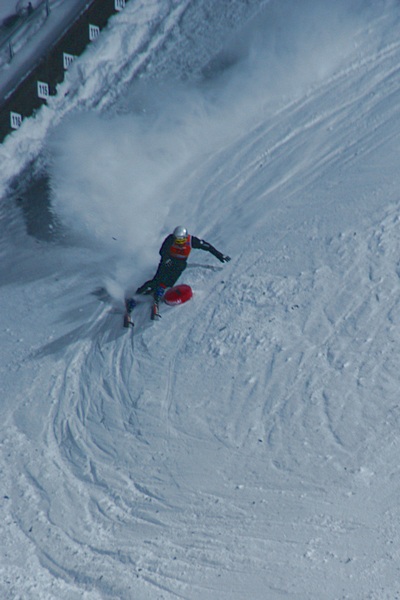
130	304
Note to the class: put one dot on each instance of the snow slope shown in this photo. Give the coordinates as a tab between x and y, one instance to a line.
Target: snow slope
244	446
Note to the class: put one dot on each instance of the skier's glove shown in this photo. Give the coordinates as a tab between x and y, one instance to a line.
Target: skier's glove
223	258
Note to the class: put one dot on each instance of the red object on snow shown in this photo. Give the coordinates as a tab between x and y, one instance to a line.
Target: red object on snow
178	294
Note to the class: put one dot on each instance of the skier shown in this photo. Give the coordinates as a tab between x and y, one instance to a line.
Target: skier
174	253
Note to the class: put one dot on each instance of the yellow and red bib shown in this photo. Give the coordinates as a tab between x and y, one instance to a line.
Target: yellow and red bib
181	250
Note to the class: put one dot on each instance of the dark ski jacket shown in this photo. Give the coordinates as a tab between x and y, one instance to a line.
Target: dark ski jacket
196	243
170	268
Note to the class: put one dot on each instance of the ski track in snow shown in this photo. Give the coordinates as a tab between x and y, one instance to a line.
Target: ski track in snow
246	444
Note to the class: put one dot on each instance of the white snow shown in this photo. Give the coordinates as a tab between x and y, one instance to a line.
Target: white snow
244	446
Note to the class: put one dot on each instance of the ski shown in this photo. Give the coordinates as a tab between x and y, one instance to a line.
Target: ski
155	312
129	306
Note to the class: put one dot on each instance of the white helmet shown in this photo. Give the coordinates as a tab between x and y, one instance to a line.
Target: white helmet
180	234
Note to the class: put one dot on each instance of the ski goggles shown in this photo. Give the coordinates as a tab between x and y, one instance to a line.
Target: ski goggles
180	241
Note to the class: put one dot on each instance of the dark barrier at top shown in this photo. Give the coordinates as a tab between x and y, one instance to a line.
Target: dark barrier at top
41	82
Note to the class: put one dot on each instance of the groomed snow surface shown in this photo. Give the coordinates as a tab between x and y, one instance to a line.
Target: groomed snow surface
245	446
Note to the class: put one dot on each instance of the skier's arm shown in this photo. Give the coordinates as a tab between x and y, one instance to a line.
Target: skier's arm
203	245
166	245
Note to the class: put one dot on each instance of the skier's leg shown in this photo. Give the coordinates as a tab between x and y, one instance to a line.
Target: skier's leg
130	304
165	277
149	286
170	276
146	288
159	292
